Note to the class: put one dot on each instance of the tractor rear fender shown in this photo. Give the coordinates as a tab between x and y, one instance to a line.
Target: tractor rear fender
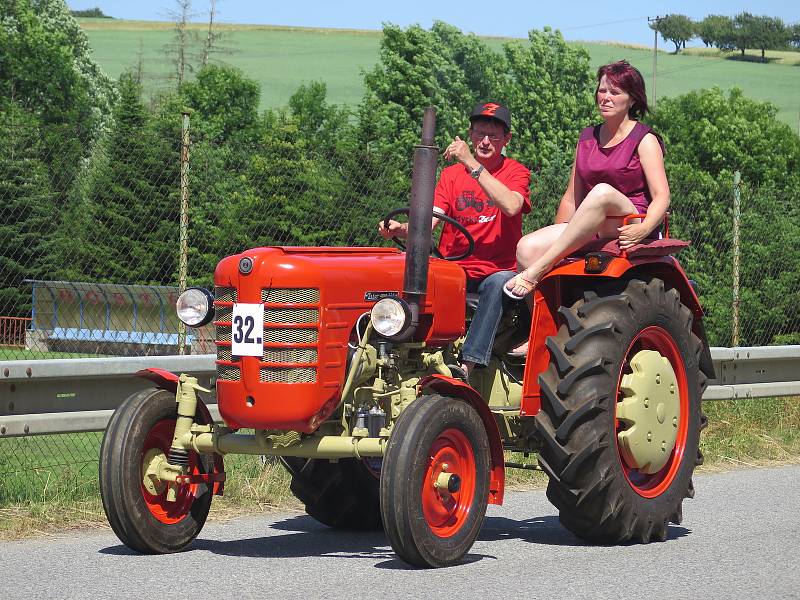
167	380
455	388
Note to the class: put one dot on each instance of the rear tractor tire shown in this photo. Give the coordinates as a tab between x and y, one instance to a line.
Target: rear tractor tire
139	433
435	481
621	417
342	494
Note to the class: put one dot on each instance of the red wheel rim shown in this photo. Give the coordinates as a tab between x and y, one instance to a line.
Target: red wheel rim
160	437
653	485
446	512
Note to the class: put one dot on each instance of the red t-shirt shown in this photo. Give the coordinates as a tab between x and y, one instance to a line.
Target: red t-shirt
496	235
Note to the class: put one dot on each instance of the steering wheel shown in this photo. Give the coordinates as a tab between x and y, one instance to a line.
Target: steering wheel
434	249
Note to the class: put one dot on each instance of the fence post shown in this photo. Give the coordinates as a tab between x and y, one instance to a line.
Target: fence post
737	214
184	228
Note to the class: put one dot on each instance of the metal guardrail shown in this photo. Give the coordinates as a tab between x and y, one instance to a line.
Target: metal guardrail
74	395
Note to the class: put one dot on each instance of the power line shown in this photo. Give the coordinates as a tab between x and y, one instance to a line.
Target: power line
601	24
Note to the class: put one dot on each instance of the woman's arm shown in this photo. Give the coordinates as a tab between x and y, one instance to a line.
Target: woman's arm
574	191
652	160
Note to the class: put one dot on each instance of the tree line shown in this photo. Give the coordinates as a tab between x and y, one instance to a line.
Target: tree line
90	171
742	32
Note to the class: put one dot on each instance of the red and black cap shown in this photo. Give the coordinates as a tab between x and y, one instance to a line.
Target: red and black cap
493	110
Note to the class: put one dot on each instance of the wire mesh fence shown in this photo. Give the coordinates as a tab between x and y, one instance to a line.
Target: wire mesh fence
90	249
90	236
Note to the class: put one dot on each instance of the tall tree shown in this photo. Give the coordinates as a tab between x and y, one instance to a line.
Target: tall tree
180	46
714	30
26	207
675	28
768	33
124	227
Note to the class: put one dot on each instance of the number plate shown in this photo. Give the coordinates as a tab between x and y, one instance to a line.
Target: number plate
247	331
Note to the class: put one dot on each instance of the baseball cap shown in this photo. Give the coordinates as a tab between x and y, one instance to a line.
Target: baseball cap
492	110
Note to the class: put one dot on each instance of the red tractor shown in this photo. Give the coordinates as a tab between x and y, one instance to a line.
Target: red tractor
342	362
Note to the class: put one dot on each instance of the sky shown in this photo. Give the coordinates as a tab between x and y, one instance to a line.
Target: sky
609	20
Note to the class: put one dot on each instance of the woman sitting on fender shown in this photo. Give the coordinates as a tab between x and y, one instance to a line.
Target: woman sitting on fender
618	170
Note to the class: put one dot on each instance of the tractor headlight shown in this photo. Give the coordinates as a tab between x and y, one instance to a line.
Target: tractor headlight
389	316
195	307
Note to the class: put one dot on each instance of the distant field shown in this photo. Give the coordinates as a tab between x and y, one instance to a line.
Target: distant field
282	58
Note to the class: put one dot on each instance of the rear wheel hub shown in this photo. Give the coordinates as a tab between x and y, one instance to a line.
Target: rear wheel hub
650	410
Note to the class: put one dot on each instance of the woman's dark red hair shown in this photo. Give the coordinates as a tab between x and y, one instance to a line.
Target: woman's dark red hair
623	75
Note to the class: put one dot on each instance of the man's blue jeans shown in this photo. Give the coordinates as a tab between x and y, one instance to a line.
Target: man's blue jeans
480	337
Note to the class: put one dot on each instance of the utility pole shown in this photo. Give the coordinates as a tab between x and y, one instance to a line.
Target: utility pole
656	20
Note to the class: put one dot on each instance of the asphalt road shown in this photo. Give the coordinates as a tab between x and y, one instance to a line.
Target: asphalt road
740	539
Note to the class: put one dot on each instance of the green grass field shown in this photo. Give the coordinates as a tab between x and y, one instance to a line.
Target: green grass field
282	58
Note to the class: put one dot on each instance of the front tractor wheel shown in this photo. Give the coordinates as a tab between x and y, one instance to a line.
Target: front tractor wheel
621	414
434	484
135	501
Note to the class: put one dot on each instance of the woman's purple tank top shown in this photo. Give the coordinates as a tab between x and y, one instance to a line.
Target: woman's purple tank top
617	166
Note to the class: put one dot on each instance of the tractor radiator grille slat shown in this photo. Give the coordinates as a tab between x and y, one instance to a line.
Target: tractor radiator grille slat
288	375
223	313
226	373
291	315
290	336
225	294
290	295
304	355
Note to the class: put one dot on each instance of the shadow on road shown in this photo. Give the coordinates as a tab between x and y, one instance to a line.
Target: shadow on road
547	530
308	538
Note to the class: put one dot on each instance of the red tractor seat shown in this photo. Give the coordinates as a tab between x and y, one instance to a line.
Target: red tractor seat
659	247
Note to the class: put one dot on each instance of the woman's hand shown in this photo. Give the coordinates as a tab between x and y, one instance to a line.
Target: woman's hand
630	235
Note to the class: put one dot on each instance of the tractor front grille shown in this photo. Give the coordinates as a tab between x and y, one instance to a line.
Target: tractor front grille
274	314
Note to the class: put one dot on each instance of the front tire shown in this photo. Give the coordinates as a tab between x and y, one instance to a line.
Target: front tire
434	484
139	432
621	417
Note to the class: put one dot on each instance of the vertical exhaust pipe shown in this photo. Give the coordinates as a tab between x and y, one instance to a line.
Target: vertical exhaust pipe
418	242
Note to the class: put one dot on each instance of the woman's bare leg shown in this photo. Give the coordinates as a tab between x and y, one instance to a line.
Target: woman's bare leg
588	220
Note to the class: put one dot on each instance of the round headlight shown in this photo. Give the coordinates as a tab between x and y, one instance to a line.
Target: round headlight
389	316
195	307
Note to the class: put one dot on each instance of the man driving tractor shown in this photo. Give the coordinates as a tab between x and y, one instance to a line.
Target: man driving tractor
487	193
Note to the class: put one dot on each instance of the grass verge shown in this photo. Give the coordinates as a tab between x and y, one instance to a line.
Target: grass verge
52	500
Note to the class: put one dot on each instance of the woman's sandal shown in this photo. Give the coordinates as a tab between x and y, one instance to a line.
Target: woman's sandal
518	281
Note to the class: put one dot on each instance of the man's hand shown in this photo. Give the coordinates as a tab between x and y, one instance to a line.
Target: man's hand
630	235
458	151
395	229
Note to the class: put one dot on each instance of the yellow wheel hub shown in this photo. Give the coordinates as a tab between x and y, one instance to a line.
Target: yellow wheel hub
151	463
650	410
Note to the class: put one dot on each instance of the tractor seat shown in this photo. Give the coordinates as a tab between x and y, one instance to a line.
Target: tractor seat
655	247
